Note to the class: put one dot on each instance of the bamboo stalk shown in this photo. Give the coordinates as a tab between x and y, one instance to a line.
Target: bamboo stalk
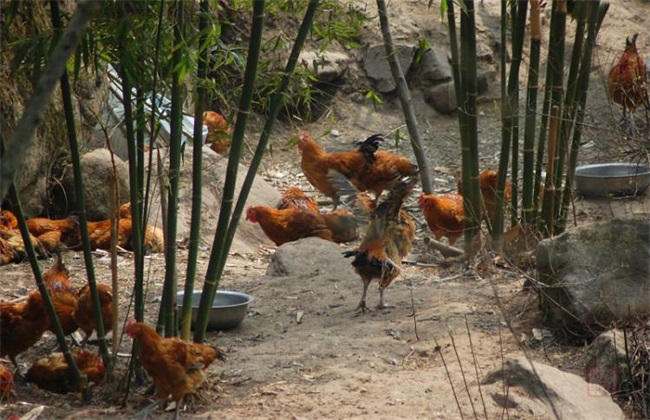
595	12
176	124
219	250
277	102
509	116
550	185
197	184
518	36
460	92
556	62
569	108
136	228
529	214
467	120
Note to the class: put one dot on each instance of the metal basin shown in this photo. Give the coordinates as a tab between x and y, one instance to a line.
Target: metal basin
228	308
618	179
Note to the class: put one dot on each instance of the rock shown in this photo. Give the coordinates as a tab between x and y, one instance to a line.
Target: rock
441	97
595	275
433	68
96	174
607	361
377	69
310	257
327	66
547	392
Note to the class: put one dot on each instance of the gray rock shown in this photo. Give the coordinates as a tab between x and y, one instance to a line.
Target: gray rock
96	174
327	66
606	361
434	67
547	392
377	69
310	257
441	97
595	275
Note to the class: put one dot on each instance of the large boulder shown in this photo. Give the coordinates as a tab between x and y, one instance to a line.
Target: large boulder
607	361
545	392
595	276
434	67
310	257
326	66
97	171
377	68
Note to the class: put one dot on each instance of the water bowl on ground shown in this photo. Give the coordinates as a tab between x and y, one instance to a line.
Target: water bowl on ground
619	179
229	308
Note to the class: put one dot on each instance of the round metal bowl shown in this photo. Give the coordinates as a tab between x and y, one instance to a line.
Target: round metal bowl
618	179
228	308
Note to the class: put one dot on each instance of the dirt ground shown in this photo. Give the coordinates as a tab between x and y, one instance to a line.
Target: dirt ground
394	363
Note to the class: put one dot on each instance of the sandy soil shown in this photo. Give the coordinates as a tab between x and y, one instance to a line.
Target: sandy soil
393	363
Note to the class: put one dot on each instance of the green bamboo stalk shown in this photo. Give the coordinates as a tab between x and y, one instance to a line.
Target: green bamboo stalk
277	103
176	125
569	107
455	53
460	92
23	136
140	134
219	251
595	12
528	191
140	211
154	129
503	51
469	144
555	37
197	184
79	193
518	44
405	99
510	115
556	63
129	122
550	190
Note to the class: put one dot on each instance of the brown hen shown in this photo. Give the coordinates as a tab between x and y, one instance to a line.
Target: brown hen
342	224
176	367
288	225
444	215
84	315
52	373
219	137
21	325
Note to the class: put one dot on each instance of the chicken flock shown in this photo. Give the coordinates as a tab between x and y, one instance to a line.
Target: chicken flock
23	323
387	226
359	179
